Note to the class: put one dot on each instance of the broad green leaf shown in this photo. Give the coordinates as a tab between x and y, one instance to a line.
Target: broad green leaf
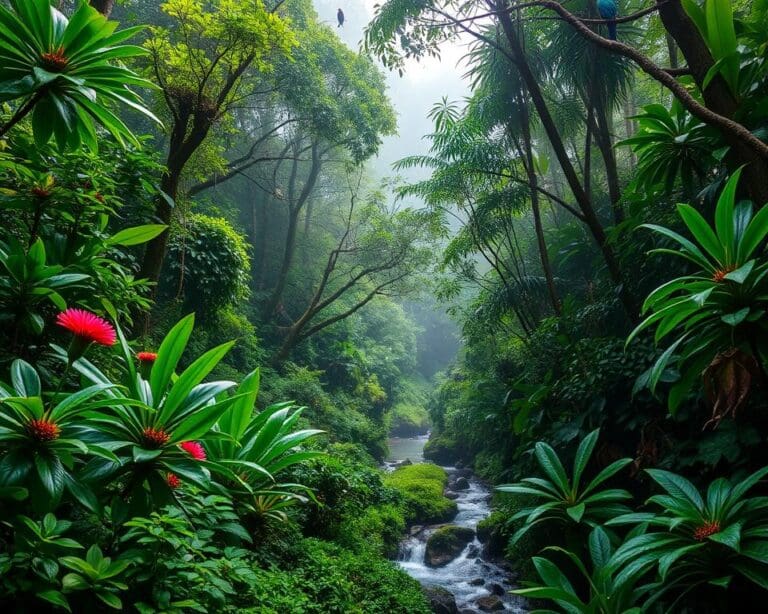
168	356
136	235
583	454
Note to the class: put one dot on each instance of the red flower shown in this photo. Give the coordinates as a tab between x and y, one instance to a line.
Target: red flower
194	449
720	274
147	357
155	438
55	60
43	430
173	480
708	528
87	326
41	192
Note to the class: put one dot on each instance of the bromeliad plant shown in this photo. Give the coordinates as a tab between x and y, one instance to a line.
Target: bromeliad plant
610	590
152	424
570	500
699	539
65	71
253	449
42	437
718	312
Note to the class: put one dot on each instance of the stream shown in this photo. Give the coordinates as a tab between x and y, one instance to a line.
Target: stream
468	577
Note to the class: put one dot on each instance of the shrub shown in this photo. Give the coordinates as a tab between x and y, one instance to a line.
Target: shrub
207	265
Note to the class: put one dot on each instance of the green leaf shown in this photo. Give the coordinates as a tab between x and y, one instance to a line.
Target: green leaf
136	235
721	35
696	13
24	379
576	512
55	597
702	232
730	536
142	455
583	454
677	486
168	356
599	547
550	463
753	235
741	274
112	600
734	319
235	421
190	378
51	474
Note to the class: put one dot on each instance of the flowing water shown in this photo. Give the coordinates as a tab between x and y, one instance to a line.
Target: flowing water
468	577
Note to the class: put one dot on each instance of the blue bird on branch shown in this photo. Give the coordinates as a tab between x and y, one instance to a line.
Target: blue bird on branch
609	10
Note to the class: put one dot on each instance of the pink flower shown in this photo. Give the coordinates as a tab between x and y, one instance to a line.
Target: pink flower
194	449
173	480
87	326
148	357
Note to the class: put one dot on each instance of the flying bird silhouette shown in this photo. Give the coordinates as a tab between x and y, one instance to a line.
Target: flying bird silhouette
608	10
340	17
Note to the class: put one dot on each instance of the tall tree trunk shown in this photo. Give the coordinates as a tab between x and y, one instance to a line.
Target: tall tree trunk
180	150
538	227
717	95
590	216
605	144
295	208
672	49
629	128
259	234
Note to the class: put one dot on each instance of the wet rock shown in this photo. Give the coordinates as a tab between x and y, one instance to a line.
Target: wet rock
461	483
477	582
446	544
473	552
415	530
496	589
407	462
440	600
466	472
452	495
459	465
491	603
467	611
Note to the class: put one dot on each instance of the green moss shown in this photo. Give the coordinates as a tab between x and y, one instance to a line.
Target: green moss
422	487
450	537
442	449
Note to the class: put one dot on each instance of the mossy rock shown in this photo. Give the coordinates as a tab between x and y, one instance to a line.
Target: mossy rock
446	544
442	449
422	486
493	533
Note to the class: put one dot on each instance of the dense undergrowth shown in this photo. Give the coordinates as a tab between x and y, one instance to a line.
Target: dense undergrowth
212	315
193	408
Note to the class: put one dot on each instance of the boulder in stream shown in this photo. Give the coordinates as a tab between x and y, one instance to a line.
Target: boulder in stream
477	582
491	603
496	589
451	495
446	544
461	483
441	600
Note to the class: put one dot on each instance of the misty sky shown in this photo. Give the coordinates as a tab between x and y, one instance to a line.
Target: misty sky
423	84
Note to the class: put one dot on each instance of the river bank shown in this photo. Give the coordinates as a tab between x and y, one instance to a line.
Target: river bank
471	581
